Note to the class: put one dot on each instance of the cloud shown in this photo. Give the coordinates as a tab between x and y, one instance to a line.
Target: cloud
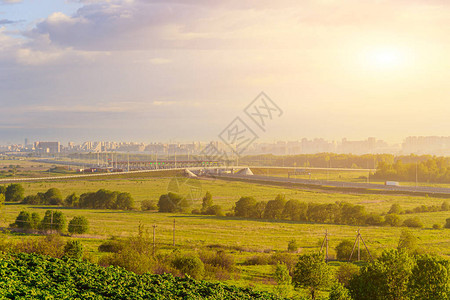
10	1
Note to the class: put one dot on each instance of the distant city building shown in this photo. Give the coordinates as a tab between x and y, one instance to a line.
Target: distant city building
47	147
437	145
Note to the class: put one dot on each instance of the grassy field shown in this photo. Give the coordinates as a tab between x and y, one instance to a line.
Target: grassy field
241	237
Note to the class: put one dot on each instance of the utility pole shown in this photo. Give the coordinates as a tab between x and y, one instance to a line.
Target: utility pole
417	174
154	239
325	244
174	232
128	161
357	243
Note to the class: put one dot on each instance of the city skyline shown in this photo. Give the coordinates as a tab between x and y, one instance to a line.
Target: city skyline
171	70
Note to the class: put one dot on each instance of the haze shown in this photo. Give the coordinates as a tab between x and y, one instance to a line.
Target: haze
182	70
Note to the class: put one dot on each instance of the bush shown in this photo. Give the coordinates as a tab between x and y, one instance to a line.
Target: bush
189	265
78	225
407	242
245	207
346	272
392	220
447	223
413	223
395	209
113	245
339	292
51	245
73	249
293	246
72	200
218	259
148	205
256	260
285	258
215	210
23	220
283	279
344	250
171	203
374	220
53	196
437	226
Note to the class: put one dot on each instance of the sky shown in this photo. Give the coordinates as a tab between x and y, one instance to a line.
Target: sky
183	70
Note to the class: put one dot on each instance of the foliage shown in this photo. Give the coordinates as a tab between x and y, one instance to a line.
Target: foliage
72	200
274	208
51	245
407	242
207	202
14	193
413	222
344	250
245	207
190	265
78	225
447	223
53	220
148	205
105	199
392	219
430	279
283	279
293	246
112	245
386	278
23	220
53	196
311	271
339	292
73	249
346	272
2	200
171	203
37	277
215	210
395	209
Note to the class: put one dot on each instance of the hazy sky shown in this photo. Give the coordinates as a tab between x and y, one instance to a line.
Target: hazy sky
149	70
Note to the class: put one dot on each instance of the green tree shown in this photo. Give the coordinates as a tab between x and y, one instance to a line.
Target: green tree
311	271
392	220
274	208
124	201
414	222
170	202
23	220
386	278
395	209
245	207
283	279
190	265
73	249
72	200
293	246
2	200
346	272
14	193
35	220
339	292
207	202
78	225
53	196
344	250
407	242
53	220
447	223
430	279
445	206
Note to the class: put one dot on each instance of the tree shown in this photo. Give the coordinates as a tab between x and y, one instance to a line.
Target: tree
23	220
339	292
53	196
215	210
274	208
245	207
447	223
395	209
2	200
72	200
295	210
78	225
35	220
386	278
445	206
344	250
283	279
190	265
430	279
207	202
124	201
73	249
413	223
53	220
170	202
148	205
407	242
14	193
392	220
293	246
311	271
346	272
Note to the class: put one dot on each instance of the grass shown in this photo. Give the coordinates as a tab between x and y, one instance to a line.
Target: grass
241	237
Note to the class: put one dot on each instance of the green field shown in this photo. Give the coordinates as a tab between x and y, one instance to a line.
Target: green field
242	237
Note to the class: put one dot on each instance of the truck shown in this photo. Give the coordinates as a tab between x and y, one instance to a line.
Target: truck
392	183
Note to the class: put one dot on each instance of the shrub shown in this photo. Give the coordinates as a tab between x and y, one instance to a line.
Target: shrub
171	203
407	242
113	245
344	250
148	205
395	209
129	259
254	260
392	220
245	207
283	279
437	226
72	200
35	220
374	220
447	223
78	225
2	200
286	258
339	292
445	206
51	245
413	223
124	201
53	196
218	259
73	249
346	272
189	265
293	246
215	210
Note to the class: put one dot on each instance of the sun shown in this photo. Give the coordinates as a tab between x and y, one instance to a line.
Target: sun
384	58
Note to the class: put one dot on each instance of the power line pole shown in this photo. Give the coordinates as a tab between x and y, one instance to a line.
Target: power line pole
325	244
154	239
174	232
357	243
